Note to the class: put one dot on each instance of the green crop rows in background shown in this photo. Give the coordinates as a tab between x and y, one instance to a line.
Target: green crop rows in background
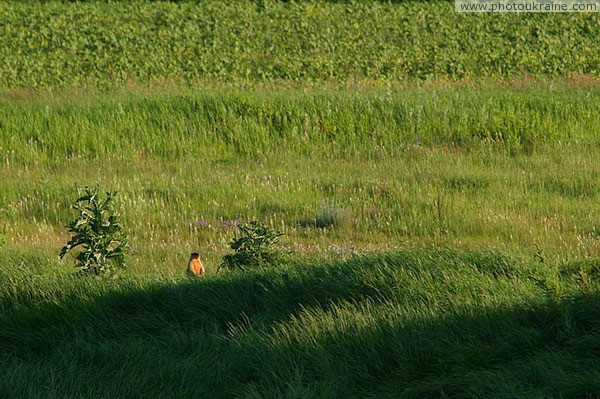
106	44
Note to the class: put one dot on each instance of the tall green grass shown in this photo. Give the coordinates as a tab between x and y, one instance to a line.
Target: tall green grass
411	324
340	124
331	123
339	171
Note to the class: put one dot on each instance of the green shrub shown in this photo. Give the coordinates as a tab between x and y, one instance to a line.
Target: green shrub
253	247
98	232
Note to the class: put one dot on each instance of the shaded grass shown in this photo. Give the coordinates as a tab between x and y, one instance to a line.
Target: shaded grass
415	324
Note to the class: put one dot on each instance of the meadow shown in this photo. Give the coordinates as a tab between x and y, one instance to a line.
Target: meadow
438	196
507	178
372	169
413	324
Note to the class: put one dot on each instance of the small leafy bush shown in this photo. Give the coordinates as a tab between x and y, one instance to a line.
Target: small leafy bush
254	246
98	232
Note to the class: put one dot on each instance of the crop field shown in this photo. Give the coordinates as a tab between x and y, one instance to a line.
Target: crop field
114	43
434	175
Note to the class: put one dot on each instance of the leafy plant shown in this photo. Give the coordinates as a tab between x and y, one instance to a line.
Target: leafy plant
98	232
107	47
253	247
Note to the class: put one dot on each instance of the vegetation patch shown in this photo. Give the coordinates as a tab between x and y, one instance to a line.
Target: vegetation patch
246	41
98	231
414	323
434	175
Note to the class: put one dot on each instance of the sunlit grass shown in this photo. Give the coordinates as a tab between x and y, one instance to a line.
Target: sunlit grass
189	167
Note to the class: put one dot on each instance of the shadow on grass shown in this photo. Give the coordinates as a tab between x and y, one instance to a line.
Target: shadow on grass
328	331
212	305
547	350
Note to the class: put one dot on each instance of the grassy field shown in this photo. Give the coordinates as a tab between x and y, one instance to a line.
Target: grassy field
414	324
343	173
438	194
338	171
